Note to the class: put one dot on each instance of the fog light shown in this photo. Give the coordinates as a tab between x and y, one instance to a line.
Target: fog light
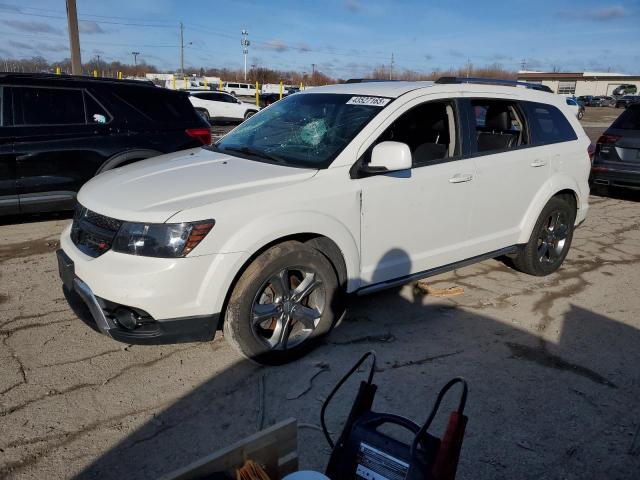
127	318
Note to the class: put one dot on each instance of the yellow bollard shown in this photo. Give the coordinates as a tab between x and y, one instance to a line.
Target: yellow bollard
220	85
206	84
119	75
300	85
57	70
173	81
95	73
280	90
257	95
185	83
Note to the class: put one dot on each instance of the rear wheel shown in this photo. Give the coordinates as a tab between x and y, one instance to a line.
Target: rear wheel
282	304
249	114
580	115
550	240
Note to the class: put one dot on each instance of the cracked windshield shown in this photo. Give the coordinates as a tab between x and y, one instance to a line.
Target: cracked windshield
301	130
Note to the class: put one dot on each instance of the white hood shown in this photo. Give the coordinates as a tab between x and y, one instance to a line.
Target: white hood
154	190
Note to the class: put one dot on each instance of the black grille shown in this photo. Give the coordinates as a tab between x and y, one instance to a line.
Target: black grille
93	233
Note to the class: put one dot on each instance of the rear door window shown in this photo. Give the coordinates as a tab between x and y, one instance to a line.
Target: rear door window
628	120
498	125
96	113
157	105
49	106
548	124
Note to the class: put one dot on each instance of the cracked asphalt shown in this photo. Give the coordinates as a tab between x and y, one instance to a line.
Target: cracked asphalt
552	365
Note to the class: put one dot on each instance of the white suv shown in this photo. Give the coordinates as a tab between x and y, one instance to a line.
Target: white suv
221	106
345	188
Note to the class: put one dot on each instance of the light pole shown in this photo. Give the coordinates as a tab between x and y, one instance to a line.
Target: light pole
135	63
245	50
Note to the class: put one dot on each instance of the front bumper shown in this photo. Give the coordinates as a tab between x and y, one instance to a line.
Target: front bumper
101	315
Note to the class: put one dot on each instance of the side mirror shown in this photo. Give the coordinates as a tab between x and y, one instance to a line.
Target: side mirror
389	157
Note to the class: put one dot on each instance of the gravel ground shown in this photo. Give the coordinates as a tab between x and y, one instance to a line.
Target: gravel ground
552	365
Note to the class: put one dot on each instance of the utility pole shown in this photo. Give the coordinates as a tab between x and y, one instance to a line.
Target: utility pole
135	63
74	37
181	49
391	68
313	73
245	50
468	67
523	64
98	63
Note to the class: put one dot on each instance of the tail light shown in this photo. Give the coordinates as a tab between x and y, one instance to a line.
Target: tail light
591	150
202	134
608	139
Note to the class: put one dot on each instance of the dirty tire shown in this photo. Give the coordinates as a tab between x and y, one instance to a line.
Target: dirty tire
240	328
249	114
536	259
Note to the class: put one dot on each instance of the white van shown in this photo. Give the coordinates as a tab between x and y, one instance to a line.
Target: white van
237	89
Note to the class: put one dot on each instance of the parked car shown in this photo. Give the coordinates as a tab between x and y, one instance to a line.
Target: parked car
606	101
586	100
616	160
601	101
57	132
576	108
347	188
221	106
267	99
627	100
625	89
242	89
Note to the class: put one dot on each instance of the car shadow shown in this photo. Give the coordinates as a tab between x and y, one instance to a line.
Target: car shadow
537	408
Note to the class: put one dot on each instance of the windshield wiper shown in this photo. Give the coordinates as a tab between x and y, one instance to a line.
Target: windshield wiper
254	152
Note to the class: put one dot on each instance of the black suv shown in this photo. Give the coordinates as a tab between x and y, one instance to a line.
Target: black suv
56	132
627	100
617	155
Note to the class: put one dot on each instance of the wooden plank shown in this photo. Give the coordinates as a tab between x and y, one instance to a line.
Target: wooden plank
276	442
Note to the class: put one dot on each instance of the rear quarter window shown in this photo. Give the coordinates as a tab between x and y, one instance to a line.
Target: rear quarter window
157	105
548	124
628	120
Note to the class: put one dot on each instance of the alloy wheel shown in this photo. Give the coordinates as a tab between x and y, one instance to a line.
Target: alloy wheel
552	237
288	308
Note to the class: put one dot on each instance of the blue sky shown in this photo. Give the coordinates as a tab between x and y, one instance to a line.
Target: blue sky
344	38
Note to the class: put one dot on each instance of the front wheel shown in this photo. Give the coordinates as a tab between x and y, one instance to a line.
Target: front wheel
282	304
550	240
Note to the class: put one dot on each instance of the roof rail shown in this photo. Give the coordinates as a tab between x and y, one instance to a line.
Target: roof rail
64	76
367	80
495	81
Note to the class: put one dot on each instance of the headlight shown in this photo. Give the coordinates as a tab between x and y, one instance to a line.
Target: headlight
167	240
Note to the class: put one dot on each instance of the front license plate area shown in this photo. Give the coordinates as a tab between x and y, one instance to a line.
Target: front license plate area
66	269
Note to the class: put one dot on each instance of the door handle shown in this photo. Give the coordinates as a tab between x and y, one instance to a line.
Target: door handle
538	163
461	177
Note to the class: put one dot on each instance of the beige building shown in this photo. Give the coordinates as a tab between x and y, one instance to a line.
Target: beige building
584	83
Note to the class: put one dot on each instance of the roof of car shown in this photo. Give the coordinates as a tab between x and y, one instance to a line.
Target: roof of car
52	79
394	89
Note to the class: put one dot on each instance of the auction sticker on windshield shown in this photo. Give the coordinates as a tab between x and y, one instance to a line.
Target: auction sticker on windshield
373	101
